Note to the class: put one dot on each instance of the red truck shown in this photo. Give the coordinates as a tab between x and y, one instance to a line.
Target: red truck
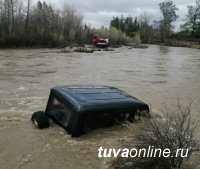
100	41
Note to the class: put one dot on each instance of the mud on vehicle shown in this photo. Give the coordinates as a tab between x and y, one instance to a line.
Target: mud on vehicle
76	108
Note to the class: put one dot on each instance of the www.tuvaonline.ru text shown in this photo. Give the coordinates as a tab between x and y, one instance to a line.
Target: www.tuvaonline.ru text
151	151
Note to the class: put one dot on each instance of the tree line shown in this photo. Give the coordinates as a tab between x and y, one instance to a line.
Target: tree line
23	23
160	30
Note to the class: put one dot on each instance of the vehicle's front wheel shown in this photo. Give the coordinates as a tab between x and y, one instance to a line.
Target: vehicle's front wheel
40	120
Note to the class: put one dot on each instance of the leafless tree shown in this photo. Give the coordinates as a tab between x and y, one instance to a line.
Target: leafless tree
146	28
168	10
192	23
27	16
174	132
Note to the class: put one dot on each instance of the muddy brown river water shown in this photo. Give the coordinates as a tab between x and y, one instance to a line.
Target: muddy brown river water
157	75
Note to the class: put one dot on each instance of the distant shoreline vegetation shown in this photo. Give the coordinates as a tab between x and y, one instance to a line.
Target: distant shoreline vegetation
23	24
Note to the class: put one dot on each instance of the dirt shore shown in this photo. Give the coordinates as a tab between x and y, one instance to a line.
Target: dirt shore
178	43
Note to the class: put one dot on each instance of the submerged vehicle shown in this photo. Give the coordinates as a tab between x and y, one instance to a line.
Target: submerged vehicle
76	107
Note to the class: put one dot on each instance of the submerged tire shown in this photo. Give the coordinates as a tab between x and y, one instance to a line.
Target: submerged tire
40	120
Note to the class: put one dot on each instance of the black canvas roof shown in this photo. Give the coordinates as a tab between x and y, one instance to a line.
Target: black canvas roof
97	98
